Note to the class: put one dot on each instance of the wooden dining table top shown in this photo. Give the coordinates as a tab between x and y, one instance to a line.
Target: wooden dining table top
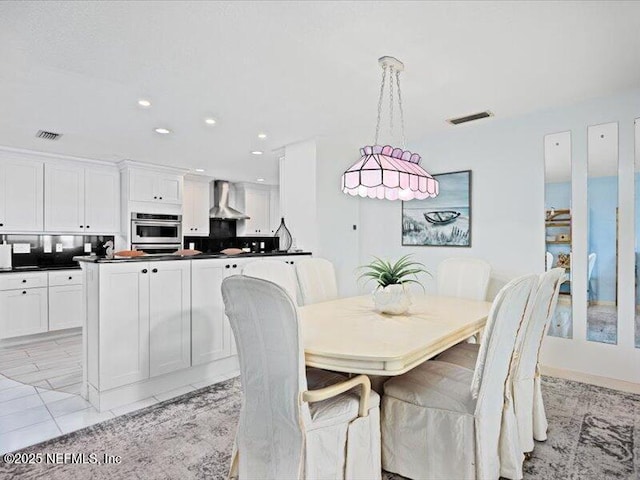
348	335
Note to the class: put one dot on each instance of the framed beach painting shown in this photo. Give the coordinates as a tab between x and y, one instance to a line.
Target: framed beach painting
443	221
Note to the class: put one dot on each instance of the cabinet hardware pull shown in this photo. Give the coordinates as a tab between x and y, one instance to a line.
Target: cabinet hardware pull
24	292
70	278
235	266
155	198
88	226
24	281
144	270
81	226
227	266
160	198
1	224
155	270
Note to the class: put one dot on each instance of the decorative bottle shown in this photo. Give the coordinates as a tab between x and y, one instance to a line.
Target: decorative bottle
284	237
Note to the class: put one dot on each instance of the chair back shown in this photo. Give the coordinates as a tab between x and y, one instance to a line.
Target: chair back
464	278
510	310
317	280
592	262
543	310
275	271
548	261
265	323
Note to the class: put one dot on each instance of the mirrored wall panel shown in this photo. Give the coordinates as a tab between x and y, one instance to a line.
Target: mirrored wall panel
557	202
637	229
602	260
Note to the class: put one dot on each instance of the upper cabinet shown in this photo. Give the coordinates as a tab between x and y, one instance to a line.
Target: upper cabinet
81	199
195	213
258	202
157	187
21	195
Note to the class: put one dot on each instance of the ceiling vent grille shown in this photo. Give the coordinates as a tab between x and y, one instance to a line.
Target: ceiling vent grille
470	118
48	135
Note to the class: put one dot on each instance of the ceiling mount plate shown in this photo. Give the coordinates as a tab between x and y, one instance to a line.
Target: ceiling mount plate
387	61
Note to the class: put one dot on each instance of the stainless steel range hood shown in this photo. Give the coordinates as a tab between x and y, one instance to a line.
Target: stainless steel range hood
221	208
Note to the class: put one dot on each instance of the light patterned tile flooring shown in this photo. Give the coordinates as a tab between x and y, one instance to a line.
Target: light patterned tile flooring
40	393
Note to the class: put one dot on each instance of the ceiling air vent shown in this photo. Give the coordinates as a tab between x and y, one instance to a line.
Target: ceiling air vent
470	118
48	135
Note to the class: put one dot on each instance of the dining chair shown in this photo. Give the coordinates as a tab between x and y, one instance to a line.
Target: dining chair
548	261
294	424
441	420
275	271
317	280
463	278
524	360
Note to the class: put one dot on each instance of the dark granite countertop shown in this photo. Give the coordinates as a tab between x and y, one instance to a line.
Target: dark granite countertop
201	256
41	268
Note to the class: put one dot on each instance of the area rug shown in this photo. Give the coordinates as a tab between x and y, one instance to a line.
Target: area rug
594	433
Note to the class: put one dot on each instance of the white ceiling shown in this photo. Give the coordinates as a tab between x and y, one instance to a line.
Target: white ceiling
291	69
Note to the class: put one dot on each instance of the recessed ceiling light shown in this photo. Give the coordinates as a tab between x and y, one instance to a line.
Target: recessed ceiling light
210	121
162	131
262	136
257	152
199	170
260	180
144	103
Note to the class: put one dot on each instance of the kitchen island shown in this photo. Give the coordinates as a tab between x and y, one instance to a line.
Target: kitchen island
157	323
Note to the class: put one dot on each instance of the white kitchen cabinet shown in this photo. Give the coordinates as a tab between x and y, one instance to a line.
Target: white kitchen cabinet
254	200
274	209
21	195
66	305
23	312
81	200
170	319
102	200
156	187
66	308
123	324
144	320
195	217
210	329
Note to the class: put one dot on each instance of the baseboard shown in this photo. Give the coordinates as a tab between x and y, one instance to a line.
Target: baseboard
39	337
597	380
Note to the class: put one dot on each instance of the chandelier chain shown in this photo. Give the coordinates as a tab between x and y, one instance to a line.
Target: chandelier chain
391	101
404	140
384	76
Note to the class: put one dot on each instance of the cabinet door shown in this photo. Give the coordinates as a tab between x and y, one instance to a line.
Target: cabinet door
66	307
274	209
124	324
102	201
64	198
143	186
210	330
257	207
195	219
169	188
21	196
23	312
170	320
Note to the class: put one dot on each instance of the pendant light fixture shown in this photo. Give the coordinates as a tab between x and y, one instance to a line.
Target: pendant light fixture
385	171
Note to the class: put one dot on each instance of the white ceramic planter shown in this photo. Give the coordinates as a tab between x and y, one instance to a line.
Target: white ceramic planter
392	299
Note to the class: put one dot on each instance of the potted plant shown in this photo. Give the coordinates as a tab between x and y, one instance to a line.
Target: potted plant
391	295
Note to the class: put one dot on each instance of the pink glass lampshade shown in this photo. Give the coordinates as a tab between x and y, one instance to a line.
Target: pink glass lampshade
391	173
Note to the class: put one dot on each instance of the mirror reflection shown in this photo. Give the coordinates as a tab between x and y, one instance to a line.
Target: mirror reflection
637	213
557	163
602	261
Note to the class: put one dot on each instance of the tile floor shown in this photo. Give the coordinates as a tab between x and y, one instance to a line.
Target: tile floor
39	393
30	415
54	364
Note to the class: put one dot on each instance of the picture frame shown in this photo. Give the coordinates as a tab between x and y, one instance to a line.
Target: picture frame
443	221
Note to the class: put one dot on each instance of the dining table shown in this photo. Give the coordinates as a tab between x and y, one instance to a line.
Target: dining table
348	335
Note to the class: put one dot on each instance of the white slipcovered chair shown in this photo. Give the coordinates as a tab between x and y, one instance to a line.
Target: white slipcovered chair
548	261
464	278
294	425
275	271
444	421
524	380
317	280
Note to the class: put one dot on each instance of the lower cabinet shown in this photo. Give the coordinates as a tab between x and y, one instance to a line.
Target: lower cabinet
145	324
65	307
23	312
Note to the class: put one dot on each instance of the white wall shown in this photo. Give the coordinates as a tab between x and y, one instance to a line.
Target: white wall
506	157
